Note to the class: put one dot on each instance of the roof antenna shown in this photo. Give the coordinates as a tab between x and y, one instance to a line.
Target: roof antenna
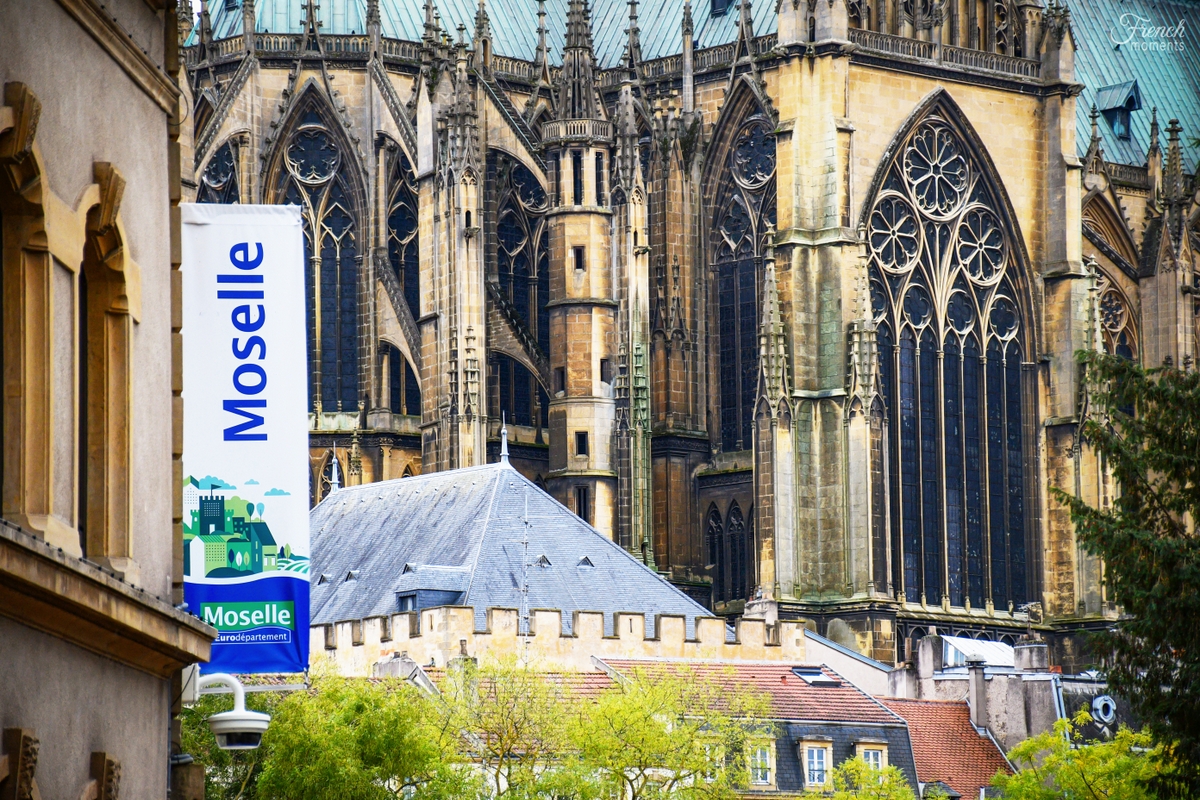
503	440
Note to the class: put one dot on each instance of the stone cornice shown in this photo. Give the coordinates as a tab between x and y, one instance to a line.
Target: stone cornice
136	63
44	588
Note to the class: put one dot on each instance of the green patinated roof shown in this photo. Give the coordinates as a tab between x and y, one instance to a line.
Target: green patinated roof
514	23
1166	79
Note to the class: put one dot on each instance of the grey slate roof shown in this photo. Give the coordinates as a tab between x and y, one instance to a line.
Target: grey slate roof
461	531
1167	79
514	23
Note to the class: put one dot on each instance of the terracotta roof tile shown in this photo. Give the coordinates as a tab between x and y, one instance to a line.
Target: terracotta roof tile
791	697
945	745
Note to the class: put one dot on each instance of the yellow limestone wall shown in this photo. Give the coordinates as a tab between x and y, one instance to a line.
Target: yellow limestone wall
442	633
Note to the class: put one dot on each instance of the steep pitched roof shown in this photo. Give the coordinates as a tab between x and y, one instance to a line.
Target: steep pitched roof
462	531
791	697
514	23
1168	79
946	746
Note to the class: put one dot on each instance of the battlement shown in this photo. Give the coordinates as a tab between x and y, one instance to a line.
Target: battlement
437	635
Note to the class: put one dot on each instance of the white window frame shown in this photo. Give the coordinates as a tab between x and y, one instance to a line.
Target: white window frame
762	764
810	750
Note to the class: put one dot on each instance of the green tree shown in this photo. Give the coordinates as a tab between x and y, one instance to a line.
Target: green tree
855	779
509	723
1058	764
661	734
1145	424
355	739
229	774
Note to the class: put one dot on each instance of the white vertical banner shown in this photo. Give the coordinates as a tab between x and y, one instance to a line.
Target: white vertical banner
245	434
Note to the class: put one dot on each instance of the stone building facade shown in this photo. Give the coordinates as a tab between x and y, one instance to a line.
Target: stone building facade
92	641
782	299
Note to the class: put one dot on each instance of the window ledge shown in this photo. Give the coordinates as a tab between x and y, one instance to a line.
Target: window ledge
45	588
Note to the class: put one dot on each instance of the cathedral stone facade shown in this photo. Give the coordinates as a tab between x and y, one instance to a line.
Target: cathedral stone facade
782	298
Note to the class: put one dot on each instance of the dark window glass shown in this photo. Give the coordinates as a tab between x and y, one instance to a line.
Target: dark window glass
560	379
219	180
745	207
957	501
580	258
403	241
316	177
577	176
714	537
735	534
583	506
600	179
605	371
581	443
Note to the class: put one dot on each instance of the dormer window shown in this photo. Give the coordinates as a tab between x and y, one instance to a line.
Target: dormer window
719	7
761	765
1117	103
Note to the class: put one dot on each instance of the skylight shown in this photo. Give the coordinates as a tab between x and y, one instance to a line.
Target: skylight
815	676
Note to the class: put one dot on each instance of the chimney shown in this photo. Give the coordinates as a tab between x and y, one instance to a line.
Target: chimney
977	692
1031	655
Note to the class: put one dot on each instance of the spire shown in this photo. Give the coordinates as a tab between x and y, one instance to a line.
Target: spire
633	49
577	93
431	36
248	25
772	348
689	78
1154	146
543	53
1173	183
374	26
311	27
482	43
1094	159
503	441
335	482
205	29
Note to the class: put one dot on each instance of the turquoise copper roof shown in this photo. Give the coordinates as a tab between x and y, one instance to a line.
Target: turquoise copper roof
514	23
1168	79
1153	42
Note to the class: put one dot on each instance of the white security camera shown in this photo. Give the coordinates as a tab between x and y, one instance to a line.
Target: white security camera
238	729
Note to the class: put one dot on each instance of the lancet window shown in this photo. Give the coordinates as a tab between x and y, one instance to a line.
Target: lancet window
314	174
950	325
403	389
1118	329
730	544
219	181
745	209
402	236
522	258
714	536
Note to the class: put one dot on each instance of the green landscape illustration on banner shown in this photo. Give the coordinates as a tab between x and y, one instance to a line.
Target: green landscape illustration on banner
226	535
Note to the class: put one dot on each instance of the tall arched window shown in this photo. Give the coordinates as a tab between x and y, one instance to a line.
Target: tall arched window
735	536
404	391
522	258
219	181
745	208
314	174
403	240
945	267
1117	324
714	537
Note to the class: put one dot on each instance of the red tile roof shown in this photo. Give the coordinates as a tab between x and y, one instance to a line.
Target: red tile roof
790	696
945	745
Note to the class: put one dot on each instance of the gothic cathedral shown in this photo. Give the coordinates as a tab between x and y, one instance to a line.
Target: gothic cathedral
783	298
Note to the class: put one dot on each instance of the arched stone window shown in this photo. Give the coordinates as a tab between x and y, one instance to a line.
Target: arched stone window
314	171
522	259
945	272
1118	327
219	180
745	208
735	538
403	236
403	388
714	538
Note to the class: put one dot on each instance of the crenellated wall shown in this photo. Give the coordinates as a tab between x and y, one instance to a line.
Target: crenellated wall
434	636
